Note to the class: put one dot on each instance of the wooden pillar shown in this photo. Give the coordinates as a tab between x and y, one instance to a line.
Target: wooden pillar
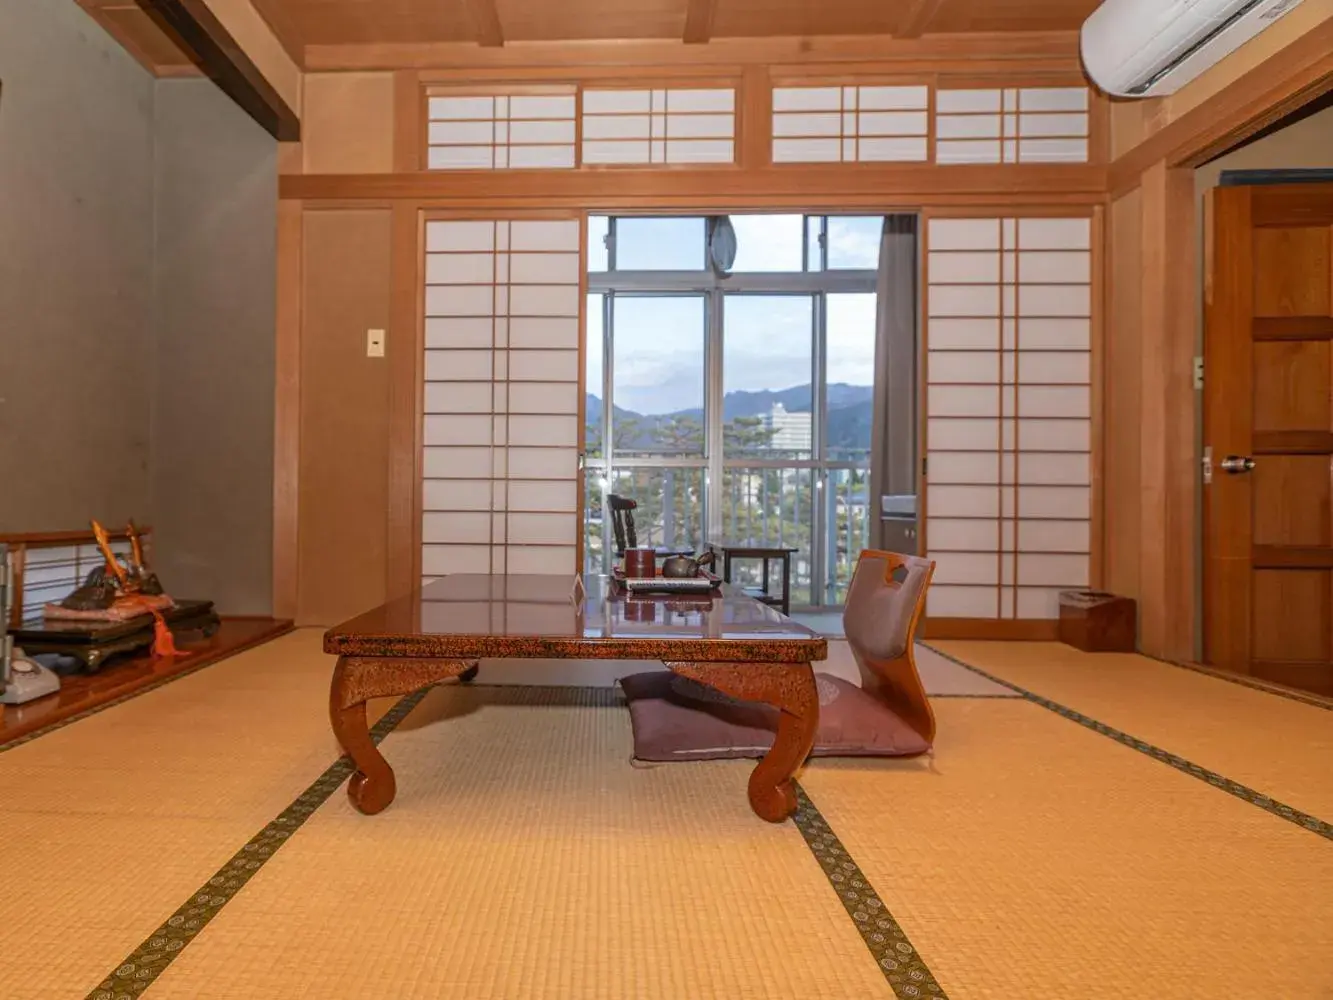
406	356
287	400
1167	462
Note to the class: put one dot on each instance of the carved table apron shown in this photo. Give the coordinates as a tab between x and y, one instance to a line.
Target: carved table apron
729	642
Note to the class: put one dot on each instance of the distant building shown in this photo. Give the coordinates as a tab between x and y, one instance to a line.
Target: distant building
790	431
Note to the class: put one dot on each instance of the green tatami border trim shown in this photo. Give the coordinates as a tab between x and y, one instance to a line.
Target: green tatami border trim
138	972
900	962
1243	792
903	968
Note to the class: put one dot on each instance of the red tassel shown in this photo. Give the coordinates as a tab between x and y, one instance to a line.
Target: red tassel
164	643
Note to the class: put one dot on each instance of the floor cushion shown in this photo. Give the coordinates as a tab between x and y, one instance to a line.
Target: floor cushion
677	718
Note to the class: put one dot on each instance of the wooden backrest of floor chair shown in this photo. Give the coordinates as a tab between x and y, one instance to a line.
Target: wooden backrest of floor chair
884	604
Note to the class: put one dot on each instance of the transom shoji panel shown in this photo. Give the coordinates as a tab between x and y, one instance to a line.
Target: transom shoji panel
501	434
1008	414
470	132
659	126
850	124
1028	125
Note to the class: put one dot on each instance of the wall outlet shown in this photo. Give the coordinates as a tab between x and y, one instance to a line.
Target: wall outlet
374	343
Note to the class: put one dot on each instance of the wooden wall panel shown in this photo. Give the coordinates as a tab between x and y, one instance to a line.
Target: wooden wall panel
344	407
1123	352
348	123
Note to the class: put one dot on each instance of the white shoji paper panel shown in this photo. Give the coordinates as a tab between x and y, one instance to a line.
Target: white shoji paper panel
1008	429
498	132
850	124
1030	125
645	127
500	433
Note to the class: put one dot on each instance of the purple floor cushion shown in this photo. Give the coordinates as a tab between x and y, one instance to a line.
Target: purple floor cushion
676	718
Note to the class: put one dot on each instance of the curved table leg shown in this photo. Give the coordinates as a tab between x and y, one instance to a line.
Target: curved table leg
788	687
357	679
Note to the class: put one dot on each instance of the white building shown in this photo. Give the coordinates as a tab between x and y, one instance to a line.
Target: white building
791	431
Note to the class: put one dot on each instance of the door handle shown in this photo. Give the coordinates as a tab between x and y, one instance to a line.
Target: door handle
1237	465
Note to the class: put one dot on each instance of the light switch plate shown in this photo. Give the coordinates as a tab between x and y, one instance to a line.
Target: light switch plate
374	343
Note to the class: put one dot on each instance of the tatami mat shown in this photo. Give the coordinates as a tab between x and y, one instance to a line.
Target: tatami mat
1277	746
115	819
524	857
1031	857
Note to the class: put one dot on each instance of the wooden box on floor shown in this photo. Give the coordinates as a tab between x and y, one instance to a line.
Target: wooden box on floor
1097	623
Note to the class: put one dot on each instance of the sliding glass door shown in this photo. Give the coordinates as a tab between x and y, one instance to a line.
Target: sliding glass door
735	405
645	417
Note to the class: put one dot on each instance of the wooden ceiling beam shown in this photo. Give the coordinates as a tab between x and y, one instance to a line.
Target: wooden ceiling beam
225	62
1029	48
918	19
892	184
486	20
699	21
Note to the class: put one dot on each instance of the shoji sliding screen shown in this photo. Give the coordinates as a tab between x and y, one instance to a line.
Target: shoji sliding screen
501	398
1008	414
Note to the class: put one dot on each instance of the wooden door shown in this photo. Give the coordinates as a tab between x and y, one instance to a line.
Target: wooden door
1268	425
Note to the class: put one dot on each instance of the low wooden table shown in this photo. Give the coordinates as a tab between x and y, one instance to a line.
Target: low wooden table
731	551
730	642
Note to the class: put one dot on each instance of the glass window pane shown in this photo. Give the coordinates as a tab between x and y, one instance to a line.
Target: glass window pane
671	505
851	376
848	529
592	415
770	507
658	375
853	241
596	529
814	255
768	345
660	244
768	242
598	256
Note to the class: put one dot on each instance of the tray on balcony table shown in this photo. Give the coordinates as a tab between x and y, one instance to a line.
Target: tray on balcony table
705	583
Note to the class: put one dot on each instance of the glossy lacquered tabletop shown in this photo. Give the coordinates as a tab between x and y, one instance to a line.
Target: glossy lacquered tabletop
470	615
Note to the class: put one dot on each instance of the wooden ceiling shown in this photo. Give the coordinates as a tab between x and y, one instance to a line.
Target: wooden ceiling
299	23
344	22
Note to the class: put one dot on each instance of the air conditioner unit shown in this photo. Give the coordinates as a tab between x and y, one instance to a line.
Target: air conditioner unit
1150	48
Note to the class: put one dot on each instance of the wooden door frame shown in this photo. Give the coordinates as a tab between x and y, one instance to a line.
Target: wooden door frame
1228	412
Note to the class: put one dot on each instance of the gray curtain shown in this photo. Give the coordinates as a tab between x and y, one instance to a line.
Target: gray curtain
894	438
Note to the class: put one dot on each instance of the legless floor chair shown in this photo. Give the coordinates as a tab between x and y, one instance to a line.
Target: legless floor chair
884	605
675	719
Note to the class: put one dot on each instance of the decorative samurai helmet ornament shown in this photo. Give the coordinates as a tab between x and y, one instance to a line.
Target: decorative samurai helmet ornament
111	580
146	579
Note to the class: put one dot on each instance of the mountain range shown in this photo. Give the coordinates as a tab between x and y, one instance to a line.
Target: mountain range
849	416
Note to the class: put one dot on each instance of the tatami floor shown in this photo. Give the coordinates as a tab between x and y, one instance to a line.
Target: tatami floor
1087	827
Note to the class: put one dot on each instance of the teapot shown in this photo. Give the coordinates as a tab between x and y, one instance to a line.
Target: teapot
683	567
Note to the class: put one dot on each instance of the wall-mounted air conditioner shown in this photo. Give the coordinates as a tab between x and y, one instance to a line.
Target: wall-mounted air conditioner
1150	48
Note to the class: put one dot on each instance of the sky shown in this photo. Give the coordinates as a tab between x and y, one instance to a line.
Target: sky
767	339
